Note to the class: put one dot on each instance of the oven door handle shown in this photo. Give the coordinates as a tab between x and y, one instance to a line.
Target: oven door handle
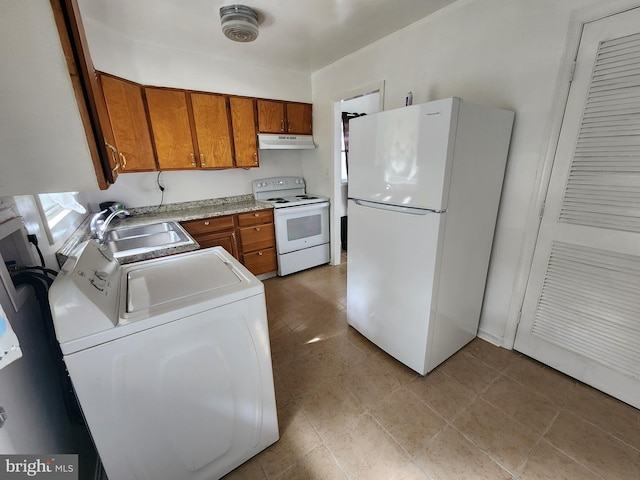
297	210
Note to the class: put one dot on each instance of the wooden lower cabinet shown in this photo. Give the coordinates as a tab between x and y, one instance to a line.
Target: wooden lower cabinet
258	241
262	261
250	237
214	232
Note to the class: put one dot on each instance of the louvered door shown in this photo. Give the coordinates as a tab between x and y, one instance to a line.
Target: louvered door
581	312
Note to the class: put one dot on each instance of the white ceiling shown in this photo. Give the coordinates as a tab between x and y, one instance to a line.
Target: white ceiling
303	35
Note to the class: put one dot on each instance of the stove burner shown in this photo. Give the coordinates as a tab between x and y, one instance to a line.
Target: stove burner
276	199
306	197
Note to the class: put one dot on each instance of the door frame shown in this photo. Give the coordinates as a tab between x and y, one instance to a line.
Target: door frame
337	164
579	18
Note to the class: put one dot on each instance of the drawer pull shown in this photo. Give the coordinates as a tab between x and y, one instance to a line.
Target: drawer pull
256	214
260	253
207	222
257	229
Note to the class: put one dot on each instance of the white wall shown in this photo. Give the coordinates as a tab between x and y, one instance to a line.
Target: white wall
505	53
44	144
113	53
140	189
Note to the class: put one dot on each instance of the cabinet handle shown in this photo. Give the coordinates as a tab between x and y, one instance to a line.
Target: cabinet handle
256	214
207	222
234	245
257	229
114	157
124	160
260	253
202	161
288	126
193	159
282	125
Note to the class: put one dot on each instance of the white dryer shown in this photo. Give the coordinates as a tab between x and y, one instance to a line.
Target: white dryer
170	361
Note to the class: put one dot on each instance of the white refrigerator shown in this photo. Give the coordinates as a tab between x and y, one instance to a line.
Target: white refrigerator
424	189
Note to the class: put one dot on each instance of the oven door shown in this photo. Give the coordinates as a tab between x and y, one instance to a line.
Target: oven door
301	227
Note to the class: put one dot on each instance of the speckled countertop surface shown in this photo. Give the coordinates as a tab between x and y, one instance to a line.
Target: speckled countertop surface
179	212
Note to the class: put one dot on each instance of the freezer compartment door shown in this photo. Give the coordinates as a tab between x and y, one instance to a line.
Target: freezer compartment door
391	279
403	156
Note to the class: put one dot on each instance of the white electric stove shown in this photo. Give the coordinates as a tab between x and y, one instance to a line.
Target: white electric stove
301	222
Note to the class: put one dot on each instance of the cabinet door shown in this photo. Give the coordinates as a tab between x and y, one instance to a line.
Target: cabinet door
226	240
243	119
214	232
129	124
211	119
271	116
171	128
84	82
299	118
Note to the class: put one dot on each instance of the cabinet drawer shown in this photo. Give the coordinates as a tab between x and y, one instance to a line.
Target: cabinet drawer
207	225
262	261
257	237
255	218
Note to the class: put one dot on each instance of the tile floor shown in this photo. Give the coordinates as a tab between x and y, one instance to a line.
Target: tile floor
349	411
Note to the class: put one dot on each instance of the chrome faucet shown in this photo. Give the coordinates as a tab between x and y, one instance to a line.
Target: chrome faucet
99	227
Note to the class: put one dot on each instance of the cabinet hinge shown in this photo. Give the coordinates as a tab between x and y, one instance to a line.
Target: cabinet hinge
573	71
542	209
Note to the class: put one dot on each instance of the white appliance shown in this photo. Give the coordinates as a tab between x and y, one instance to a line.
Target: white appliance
301	222
170	361
424	189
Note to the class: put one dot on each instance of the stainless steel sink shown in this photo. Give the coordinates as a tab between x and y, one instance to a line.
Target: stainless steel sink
138	239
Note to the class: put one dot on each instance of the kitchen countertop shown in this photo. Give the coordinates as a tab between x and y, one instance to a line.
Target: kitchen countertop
179	212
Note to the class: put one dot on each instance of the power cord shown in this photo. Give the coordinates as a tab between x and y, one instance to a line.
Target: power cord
161	188
34	240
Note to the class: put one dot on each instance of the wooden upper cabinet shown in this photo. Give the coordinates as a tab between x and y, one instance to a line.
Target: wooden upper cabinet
299	118
243	119
271	116
284	117
129	124
213	131
91	104
171	128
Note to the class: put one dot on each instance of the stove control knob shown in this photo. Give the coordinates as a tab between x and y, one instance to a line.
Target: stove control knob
101	274
98	283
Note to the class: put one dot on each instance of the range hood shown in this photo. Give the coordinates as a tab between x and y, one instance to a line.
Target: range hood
285	142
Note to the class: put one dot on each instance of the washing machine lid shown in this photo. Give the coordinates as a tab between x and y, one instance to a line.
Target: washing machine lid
157	284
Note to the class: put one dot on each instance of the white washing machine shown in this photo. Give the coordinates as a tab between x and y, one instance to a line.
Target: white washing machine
170	361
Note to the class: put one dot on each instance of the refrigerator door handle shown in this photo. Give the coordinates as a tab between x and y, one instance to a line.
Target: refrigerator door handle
396	208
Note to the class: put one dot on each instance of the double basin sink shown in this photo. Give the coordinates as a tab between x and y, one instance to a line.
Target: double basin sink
141	239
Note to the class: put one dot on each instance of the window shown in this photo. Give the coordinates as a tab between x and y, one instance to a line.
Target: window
61	213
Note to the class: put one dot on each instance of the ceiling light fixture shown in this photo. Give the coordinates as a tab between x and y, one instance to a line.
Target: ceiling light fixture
239	23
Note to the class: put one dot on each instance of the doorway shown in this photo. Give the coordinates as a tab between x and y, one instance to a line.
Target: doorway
365	100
